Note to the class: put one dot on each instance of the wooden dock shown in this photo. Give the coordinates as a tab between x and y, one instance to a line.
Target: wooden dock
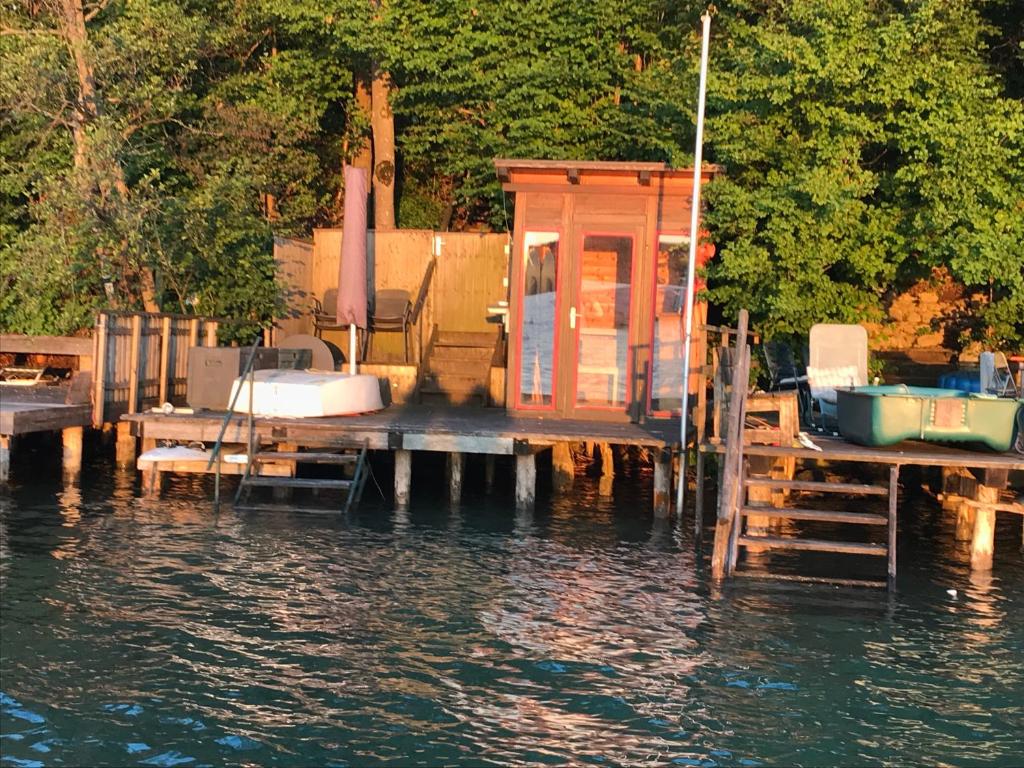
455	431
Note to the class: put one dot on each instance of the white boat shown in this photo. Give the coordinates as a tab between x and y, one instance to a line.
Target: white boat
307	394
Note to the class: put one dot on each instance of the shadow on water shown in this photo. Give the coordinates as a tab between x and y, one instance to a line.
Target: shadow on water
159	633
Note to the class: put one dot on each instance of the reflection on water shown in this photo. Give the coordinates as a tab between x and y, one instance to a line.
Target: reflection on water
158	633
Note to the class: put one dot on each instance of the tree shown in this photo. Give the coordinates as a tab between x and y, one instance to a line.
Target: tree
866	142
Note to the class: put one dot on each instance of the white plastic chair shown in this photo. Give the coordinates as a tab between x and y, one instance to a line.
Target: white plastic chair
838	358
996	376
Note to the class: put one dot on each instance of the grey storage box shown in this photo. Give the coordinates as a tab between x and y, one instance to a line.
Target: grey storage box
212	371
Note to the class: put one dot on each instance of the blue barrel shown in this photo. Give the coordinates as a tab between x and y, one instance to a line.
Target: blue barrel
965	381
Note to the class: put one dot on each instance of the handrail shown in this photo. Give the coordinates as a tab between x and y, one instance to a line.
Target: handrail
421	296
215	454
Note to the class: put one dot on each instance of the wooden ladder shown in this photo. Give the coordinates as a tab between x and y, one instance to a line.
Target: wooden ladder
350	456
740	537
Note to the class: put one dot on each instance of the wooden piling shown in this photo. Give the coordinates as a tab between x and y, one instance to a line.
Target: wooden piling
984	534
403	477
71	438
663	483
563	468
5	458
526	480
490	462
607	469
456	467
125	451
698	498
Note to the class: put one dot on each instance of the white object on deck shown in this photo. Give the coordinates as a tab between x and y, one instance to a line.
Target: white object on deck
307	394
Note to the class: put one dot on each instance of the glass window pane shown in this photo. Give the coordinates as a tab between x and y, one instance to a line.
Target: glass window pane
602	321
669	305
540	285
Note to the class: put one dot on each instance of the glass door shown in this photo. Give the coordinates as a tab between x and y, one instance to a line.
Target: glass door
599	319
538	361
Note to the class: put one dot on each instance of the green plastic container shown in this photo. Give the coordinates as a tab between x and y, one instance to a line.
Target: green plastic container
886	415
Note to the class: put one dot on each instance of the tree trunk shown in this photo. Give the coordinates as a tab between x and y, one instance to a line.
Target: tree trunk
383	124
363	157
85	110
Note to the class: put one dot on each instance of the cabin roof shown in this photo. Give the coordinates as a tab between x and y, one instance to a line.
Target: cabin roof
514	172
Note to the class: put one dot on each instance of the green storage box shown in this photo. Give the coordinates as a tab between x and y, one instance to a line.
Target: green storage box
886	415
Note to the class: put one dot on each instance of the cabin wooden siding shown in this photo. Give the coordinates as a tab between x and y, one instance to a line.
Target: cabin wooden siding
643	200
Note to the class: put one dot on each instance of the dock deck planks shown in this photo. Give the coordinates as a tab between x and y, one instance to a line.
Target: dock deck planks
423	428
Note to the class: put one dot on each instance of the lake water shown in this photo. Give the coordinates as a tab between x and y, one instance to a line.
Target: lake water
137	632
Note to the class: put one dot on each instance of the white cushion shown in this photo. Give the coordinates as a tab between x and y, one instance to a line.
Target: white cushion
823	381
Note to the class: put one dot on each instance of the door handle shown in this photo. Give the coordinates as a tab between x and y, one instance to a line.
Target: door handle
572	318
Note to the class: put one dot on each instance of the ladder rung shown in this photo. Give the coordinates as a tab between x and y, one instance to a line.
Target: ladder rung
308	457
813	485
296	482
822	515
250	507
813	579
817	545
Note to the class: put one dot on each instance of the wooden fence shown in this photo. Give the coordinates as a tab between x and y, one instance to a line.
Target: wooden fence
141	360
471	274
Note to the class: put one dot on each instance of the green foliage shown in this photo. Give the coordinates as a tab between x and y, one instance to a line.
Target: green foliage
866	142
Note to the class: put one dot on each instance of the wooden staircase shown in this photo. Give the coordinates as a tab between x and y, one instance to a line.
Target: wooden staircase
741	535
351	461
457	368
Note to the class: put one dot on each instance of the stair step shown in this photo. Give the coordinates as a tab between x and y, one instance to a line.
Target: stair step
813	485
296	482
460	366
466	339
817	545
301	457
473	354
250	507
452	382
818	515
812	579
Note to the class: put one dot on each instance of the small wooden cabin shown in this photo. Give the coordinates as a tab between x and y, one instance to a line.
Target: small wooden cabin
599	261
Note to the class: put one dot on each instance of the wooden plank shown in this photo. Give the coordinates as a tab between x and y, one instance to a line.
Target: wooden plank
165	355
817	515
17	343
816	545
501	446
894	474
133	364
198	467
21	418
908	452
820	487
101	369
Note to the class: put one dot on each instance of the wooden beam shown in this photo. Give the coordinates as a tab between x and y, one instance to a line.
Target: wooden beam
71	440
563	466
17	343
663	484
5	458
984	534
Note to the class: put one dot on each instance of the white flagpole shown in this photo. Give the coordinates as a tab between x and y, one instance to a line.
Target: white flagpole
691	266
352	349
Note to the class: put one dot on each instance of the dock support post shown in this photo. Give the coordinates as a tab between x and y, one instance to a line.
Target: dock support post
71	438
698	498
604	487
5	458
456	464
983	540
125	452
490	460
403	477
563	467
526	480
662	483
152	477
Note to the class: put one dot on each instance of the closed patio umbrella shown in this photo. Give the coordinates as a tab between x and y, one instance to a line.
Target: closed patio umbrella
351	307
